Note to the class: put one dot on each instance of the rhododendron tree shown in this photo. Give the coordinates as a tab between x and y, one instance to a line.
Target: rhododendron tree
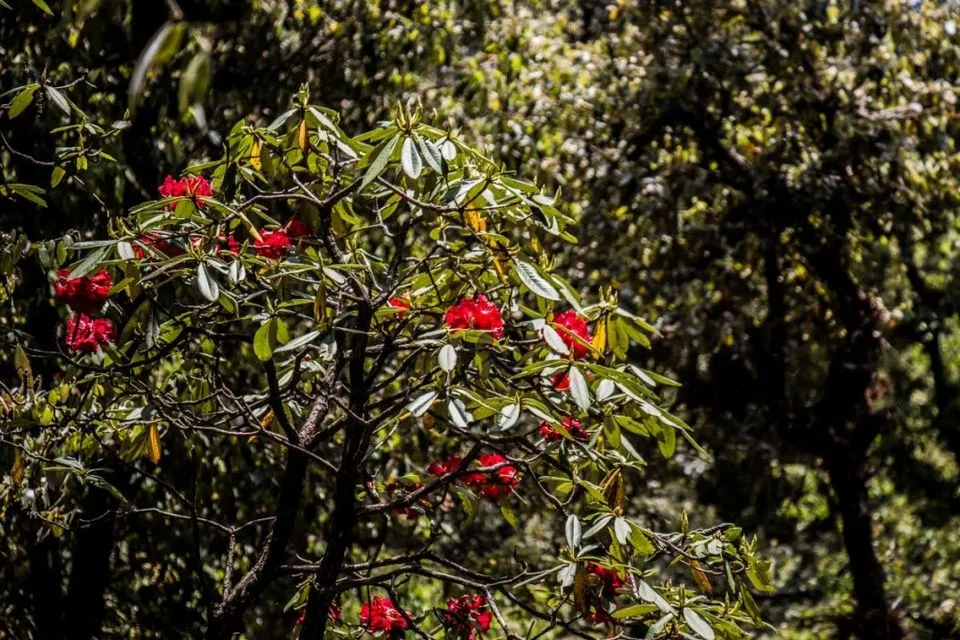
410	367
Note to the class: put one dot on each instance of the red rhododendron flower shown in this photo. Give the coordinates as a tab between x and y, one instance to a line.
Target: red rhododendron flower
495	484
610	578
571	323
399	303
573	427
492	485
272	244
172	188
85	294
468	616
445	467
560	380
381	615
196	186
157	242
478	313
229	243
597	615
296	228
85	334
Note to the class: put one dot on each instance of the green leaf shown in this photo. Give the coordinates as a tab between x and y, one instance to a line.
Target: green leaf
410	159
554	341
194	81
634	611
422	403
458	413
207	285
641	544
578	389
265	340
430	153
448	358
699	626
298	342
508	515
509	416
649	594
43	6
162	46
574	531
58	99
89	263
28	192
379	163
56	176
667	441
530	276
448	150
22	101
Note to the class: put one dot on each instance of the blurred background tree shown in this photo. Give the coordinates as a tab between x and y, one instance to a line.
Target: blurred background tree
773	182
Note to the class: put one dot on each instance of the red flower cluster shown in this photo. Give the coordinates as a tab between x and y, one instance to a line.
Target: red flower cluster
493	485
466	615
193	186
85	294
157	242
381	615
478	313
573	427
295	228
572	324
272	244
85	334
402	304
610	579
610	583
561	380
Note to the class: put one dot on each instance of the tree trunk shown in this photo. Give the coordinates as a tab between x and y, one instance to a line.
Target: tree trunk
90	574
874	618
44	584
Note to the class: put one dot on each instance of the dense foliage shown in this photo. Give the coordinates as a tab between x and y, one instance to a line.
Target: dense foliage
771	184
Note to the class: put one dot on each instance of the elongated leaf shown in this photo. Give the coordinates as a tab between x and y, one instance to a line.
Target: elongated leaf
448	357
298	342
458	413
265	340
574	531
621	529
605	389
422	403
696	622
649	594
22	101
410	159
58	99
161	45
579	389
153	444
554	341
430	153
530	276
379	163
509	416
448	150
88	264
206	283
43	6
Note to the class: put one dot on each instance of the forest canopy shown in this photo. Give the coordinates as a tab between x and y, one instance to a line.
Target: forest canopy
476	320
